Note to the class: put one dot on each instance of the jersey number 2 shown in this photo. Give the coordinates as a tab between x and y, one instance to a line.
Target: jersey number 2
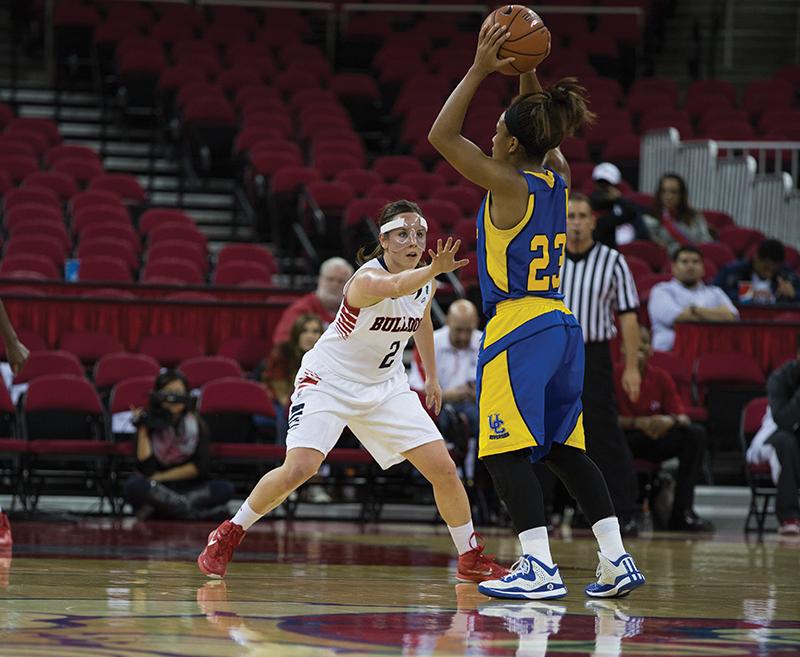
389	358
540	244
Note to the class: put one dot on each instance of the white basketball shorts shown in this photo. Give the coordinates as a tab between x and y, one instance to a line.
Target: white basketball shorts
387	417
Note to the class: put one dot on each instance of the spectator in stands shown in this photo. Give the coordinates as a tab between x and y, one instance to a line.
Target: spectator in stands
280	368
686	299
16	355
657	429
619	221
172	458
672	222
765	278
456	347
777	442
323	302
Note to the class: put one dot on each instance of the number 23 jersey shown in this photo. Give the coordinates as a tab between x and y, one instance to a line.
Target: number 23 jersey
524	260
366	344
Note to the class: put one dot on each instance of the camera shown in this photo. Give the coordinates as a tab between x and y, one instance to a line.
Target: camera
164	397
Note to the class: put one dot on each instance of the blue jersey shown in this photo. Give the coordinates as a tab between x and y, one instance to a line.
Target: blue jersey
524	261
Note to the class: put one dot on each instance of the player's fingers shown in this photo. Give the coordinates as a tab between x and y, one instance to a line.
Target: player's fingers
439	246
462	263
438	404
431	253
456	246
498	37
507	60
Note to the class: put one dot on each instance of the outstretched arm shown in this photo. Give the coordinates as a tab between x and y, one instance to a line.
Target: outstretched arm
369	286
445	134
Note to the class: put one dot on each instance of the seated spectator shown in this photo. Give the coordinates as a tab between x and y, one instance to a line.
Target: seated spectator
672	222
322	302
172	458
657	429
280	369
776	442
765	278
619	220
686	299
456	348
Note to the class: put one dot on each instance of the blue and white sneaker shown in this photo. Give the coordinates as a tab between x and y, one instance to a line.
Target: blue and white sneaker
615	579
529	579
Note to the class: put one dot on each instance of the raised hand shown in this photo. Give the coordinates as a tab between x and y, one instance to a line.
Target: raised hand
490	39
444	259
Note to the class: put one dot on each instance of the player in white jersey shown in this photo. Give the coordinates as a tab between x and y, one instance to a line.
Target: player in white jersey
354	376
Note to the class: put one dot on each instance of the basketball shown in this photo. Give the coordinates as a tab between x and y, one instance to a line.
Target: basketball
529	41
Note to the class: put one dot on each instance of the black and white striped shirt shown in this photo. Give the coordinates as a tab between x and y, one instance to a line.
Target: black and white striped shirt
595	284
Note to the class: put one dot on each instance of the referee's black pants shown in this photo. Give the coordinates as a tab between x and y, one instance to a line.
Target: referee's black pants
606	444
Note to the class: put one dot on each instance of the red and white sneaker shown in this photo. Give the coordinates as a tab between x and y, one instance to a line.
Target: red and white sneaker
475	566
789	528
5	532
213	560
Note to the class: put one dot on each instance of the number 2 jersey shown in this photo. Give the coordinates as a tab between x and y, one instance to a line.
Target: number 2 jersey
525	260
366	344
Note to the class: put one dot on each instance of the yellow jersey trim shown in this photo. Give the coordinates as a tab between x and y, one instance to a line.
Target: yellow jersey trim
547	176
513	313
496	260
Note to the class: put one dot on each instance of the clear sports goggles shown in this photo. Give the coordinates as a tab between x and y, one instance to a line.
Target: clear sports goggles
405	230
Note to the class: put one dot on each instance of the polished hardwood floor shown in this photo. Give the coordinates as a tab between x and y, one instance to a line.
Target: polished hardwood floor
111	588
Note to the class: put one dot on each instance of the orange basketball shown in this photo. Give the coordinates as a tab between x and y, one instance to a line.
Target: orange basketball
529	41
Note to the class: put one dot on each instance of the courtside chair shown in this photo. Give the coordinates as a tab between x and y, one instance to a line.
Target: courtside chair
758	475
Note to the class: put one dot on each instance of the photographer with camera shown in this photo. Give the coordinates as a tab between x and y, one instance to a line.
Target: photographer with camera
172	455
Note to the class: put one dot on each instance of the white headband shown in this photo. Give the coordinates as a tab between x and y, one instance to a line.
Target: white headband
400	223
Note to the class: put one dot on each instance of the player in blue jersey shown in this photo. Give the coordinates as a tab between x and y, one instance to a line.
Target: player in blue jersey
530	369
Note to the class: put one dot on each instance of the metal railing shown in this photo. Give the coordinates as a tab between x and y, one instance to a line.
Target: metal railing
754	193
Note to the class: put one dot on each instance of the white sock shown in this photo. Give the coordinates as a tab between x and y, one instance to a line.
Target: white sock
606	531
245	517
536	544
461	537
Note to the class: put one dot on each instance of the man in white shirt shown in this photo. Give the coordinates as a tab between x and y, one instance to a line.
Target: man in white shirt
456	346
686	299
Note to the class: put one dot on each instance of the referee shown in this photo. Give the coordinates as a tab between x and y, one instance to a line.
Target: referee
596	282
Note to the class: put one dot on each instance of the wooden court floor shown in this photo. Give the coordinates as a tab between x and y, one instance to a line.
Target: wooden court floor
110	588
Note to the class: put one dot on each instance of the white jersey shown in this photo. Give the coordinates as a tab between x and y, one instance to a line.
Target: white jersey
366	344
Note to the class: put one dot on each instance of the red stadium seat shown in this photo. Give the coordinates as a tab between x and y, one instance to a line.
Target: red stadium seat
758	475
45	127
468	199
104	268
42	227
717	220
359	180
650	252
32	340
330	165
425	184
392	192
18	167
178	269
740	239
49	247
391	167
717	252
149	219
441	213
681	374
190	251
204	369
110	247
82	170
248	253
99	214
125	186
43	363
237	272
29	262
228	404
70	152
110	369
108	293
169	350
172	231
247	351
112	230
89	346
